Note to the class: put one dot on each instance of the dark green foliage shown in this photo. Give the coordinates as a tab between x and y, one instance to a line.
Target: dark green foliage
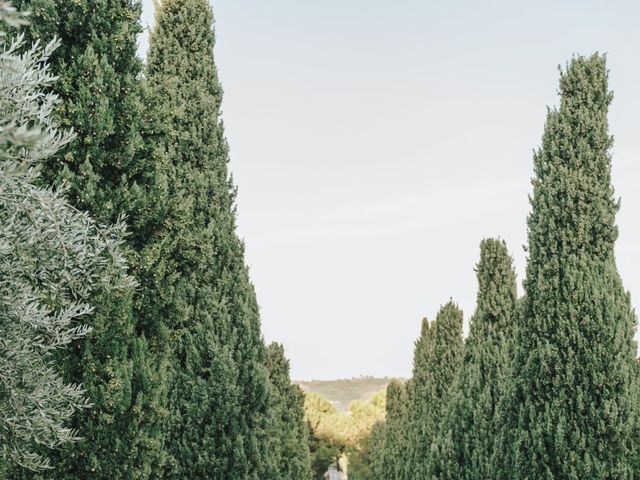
288	434
465	444
100	91
196	284
376	448
569	412
418	396
395	444
437	358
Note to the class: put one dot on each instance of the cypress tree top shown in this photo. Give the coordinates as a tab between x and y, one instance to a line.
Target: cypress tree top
197	286
289	451
570	408
437	358
469	427
395	445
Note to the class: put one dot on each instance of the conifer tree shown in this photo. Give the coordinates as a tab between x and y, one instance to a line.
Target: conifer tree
437	358
569	413
197	287
99	87
394	438
52	258
464	445
376	450
288	434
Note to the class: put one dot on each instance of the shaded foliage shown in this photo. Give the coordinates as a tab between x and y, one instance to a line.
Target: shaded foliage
465	443
569	412
437	358
288	448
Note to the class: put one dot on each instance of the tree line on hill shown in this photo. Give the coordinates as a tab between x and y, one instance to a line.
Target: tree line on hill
546	385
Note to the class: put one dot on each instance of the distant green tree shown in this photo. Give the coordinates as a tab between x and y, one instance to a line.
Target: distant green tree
53	259
437	359
288	448
197	286
99	85
465	443
327	433
395	445
569	412
361	417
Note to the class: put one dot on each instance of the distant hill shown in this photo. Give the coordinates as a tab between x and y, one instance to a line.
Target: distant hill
342	392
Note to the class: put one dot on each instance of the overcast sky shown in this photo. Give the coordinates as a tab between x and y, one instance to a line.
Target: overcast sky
375	143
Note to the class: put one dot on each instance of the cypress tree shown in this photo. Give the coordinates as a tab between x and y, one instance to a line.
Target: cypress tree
415	402
394	438
100	91
197	287
288	434
99	86
569	412
376	448
437	358
464	446
52	258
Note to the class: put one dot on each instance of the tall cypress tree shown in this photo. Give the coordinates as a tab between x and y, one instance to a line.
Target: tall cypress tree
288	434
99	88
395	443
464	445
437	358
569	412
196	283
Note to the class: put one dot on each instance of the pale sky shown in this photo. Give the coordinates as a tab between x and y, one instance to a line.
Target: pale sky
375	143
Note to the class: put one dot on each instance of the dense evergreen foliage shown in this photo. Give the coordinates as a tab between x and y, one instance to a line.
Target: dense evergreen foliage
465	443
418	396
53	258
376	450
395	442
196	283
569	413
437	359
99	86
288	449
